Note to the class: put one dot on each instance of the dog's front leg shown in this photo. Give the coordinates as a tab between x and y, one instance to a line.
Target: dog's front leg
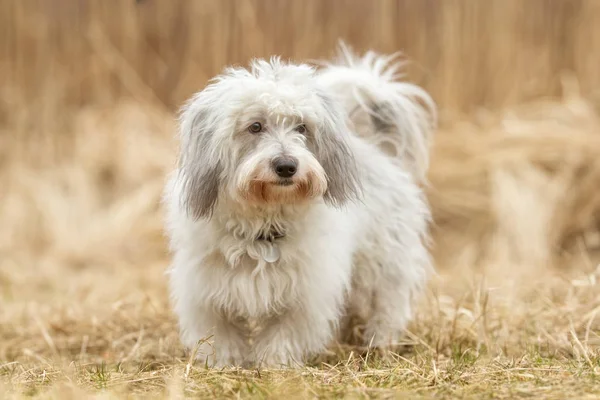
216	340
305	329
307	326
290	338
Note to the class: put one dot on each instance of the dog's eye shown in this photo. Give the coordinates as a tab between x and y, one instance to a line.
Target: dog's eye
255	127
301	128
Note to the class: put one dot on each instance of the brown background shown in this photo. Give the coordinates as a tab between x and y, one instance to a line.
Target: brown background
467	53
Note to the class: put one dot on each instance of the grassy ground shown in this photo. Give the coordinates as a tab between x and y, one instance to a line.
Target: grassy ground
111	334
512	313
487	343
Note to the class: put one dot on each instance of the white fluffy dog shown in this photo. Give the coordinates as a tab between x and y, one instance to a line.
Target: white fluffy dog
289	225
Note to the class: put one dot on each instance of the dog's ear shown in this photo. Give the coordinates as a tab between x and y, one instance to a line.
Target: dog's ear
199	162
335	155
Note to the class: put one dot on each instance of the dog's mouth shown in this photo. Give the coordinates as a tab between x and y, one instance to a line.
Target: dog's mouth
281	191
284	182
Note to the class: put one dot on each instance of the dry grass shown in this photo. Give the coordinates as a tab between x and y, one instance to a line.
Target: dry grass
467	53
515	193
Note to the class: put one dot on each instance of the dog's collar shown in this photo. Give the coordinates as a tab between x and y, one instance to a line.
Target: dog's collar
271	235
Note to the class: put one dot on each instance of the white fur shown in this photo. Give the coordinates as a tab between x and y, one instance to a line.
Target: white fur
354	243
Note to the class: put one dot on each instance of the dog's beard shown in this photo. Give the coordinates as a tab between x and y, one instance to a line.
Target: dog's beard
283	191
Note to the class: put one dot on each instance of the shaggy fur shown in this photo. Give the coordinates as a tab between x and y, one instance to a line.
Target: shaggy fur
269	270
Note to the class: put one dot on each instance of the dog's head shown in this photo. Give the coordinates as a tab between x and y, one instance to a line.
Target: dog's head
265	136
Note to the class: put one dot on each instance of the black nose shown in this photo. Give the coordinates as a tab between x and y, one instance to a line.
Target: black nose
285	167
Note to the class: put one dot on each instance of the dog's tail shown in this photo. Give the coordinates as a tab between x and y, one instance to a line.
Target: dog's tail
381	107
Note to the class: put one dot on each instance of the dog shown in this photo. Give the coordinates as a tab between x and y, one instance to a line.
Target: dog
289	224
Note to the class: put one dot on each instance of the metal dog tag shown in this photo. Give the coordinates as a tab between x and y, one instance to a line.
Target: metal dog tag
271	253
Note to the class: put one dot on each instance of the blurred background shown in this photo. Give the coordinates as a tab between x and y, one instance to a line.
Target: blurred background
88	91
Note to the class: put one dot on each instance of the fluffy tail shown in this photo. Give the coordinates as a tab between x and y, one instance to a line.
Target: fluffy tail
382	108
